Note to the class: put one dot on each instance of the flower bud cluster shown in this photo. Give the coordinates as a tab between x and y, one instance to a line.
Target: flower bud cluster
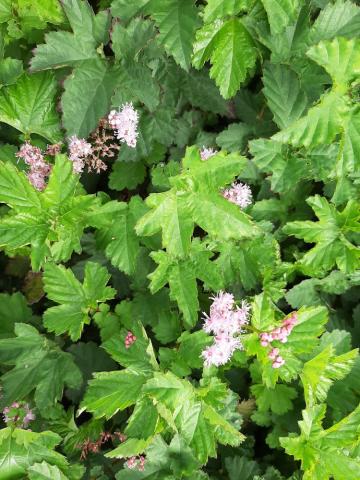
129	339
225	321
124	122
280	334
39	168
18	414
239	193
137	463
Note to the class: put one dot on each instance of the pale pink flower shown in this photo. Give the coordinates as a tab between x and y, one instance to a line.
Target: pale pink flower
124	122
39	168
225	322
206	153
79	150
238	193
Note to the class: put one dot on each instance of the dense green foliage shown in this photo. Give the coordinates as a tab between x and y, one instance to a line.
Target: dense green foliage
106	272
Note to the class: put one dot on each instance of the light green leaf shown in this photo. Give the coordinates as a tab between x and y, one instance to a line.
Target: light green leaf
340	58
320	372
45	471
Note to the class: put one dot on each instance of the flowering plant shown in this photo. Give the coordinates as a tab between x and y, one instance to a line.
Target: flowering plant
179	235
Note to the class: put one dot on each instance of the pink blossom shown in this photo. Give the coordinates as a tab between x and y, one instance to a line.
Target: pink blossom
18	414
238	193
225	321
39	168
125	123
278	362
79	149
206	153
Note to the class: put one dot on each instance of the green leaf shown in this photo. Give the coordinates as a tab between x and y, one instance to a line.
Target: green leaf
110	392
320	372
21	449
330	235
126	175
10	70
183	289
16	191
241	467
325	454
75	299
45	471
281	13
143	421
69	49
13	309
215	9
38	365
283	92
321	124
235	137
29	106
177	21
341	18
277	399
170	213
340	58
87	96
232	54
119	240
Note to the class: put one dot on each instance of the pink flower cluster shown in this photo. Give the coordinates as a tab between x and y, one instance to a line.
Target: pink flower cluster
238	193
79	149
39	168
18	414
225	320
136	463
129	339
280	334
125	123
88	445
206	153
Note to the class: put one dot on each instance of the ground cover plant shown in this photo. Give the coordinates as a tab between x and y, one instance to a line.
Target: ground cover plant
179	234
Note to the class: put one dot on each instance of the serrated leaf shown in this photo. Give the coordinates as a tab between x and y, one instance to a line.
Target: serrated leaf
177	21
321	124
215	9
16	191
110	392
29	106
126	175
277	399
320	372
38	365
75	299
285	97
341	18
340	58
233	56
21	449
13	309
281	13
87	96
45	471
